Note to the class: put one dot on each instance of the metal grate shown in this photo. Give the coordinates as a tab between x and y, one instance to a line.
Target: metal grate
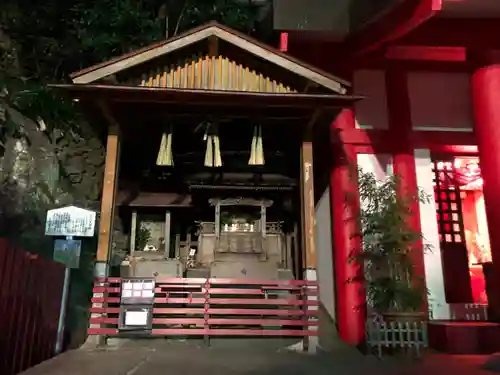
451	233
448	204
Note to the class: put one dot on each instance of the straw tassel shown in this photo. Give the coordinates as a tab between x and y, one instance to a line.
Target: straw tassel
208	152
165	157
259	154
257	148
217	155
253	147
170	156
212	154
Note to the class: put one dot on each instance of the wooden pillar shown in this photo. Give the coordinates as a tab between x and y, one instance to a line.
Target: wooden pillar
167	233
177	245
308	224
307	203
263	220
108	196
133	232
107	215
296	250
217	220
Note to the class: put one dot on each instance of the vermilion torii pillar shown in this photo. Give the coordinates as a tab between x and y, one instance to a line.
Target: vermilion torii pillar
350	302
486	103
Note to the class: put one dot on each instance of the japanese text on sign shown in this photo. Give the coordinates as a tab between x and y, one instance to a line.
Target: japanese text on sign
70	221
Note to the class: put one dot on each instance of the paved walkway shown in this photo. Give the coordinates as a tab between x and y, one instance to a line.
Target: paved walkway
242	357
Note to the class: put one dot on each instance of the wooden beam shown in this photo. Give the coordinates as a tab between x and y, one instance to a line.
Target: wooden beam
307	203
213	46
427	53
387	139
405	16
108	190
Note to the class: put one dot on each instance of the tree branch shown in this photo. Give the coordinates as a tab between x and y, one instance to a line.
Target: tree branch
181	15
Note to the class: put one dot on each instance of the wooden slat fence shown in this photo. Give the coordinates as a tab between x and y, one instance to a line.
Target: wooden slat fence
406	335
216	307
30	298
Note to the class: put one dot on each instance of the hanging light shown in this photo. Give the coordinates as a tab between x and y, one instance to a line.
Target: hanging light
165	156
212	153
257	149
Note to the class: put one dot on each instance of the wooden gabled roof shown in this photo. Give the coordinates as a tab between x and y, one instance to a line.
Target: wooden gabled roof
249	45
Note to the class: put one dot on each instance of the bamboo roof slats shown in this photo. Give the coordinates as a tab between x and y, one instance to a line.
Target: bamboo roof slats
209	73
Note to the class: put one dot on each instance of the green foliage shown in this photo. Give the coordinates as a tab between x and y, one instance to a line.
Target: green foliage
387	242
229	12
48	40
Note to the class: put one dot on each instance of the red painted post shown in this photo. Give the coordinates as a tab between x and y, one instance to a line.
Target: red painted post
23	294
486	104
206	307
345	205
400	124
284	42
12	306
5	271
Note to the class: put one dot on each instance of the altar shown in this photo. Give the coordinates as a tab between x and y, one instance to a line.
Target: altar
239	239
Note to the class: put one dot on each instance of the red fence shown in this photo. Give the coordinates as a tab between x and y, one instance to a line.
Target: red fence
216	307
30	297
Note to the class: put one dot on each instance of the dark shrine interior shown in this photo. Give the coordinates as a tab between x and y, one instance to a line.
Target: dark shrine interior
277	180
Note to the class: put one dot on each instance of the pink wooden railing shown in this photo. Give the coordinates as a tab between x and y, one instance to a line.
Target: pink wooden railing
216	307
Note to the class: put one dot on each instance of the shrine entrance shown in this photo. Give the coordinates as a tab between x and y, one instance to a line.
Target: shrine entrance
209	164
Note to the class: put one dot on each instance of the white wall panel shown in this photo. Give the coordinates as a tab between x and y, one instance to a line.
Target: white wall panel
324	253
432	258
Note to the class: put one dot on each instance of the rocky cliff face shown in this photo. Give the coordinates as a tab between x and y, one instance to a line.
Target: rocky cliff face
43	165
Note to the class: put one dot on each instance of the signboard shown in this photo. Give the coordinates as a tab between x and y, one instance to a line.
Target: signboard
70	221
68	252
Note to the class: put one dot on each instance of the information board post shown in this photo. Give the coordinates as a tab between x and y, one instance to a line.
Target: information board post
68	222
64	303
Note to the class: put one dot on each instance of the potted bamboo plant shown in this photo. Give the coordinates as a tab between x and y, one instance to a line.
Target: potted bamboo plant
393	288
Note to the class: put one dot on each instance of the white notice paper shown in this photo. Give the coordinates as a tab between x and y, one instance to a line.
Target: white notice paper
136	318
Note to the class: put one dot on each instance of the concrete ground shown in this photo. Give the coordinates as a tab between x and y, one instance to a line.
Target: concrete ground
242	357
